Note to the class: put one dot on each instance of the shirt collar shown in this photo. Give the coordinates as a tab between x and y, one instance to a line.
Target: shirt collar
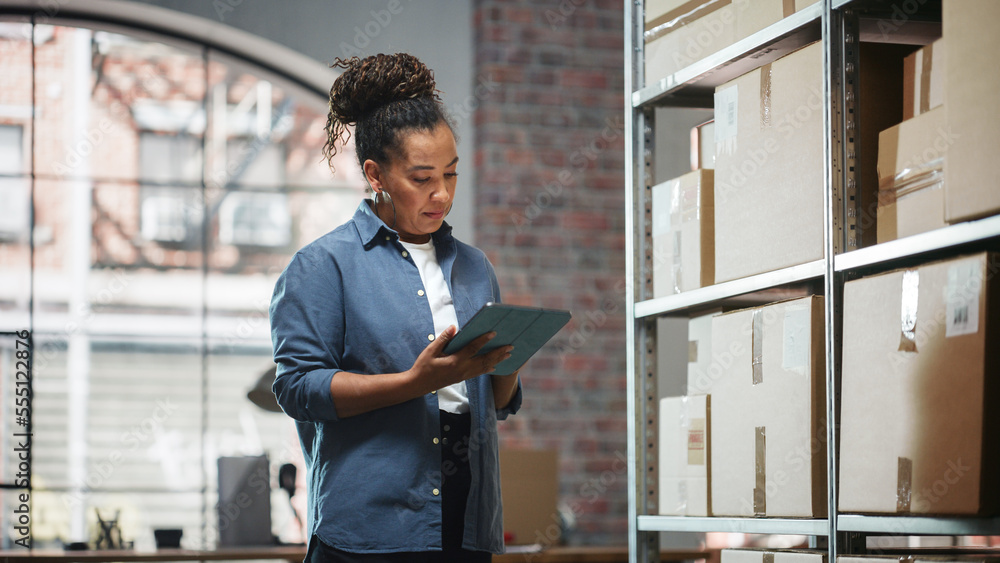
370	227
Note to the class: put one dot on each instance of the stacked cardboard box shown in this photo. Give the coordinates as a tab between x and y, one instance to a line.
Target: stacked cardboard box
923	80
972	104
685	457
682	32
529	483
769	167
772	556
911	161
683	233
918	558
768	411
920	365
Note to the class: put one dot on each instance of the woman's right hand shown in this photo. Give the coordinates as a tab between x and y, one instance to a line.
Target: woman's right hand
435	370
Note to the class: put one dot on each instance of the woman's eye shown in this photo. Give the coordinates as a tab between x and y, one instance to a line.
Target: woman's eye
421	180
451	174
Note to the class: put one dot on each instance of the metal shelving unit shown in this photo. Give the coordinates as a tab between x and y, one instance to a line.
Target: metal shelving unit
841	25
795	526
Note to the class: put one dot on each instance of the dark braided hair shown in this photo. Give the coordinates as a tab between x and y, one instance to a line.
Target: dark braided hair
380	96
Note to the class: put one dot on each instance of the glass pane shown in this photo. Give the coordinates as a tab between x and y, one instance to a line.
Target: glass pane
144	272
117	414
15	253
137	513
267	132
255	234
15	408
15	101
110	105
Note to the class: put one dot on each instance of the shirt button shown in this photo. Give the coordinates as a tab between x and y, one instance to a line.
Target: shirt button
430	337
435	440
435	492
420	292
405	254
388	237
444	440
447	428
434	392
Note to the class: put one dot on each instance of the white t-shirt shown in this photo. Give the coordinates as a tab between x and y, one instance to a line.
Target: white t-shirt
453	398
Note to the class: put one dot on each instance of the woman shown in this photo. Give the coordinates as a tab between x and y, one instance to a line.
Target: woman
399	439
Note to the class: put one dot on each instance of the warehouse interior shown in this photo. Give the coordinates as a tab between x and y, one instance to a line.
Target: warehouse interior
775	224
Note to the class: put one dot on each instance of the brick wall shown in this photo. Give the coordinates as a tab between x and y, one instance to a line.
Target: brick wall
550	214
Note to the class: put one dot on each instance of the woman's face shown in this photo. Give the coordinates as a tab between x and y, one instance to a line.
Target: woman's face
420	180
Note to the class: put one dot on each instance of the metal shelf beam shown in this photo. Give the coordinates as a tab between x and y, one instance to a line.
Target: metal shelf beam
960	234
694	86
919	525
706	296
779	526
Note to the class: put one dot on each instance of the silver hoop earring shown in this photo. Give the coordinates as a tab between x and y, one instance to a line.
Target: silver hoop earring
386	195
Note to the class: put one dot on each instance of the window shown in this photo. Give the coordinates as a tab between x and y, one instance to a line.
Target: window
166	187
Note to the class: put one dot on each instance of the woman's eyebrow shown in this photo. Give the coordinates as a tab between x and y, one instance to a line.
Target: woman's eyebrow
428	167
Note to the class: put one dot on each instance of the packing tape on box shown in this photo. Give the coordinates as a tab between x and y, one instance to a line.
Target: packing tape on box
787	8
682	15
925	78
911	179
758	346
767	557
692	351
765	96
908	311
760	473
904	485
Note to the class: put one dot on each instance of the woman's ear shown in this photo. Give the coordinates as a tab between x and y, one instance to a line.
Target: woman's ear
373	174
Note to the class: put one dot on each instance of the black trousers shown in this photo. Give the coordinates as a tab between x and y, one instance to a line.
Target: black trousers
456	477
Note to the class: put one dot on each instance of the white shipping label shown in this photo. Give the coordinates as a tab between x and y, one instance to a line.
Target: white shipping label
965	284
726	112
662	206
796	340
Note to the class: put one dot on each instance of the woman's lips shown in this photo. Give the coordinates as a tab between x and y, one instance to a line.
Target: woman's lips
435	215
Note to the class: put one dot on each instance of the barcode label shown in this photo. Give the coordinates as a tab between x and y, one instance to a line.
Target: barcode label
726	114
965	283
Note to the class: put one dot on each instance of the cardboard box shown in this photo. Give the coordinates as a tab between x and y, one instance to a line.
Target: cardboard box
972	89
703	146
755	15
917	558
769	178
683	234
682	41
685	457
923	80
769	411
529	485
700	369
679	34
911	160
772	556
919	363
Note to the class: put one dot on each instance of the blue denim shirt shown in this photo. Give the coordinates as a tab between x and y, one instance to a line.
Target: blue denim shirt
349	301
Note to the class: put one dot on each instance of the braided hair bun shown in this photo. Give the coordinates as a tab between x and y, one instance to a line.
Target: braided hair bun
380	96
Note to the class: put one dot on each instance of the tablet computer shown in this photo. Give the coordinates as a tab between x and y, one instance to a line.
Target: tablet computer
527	329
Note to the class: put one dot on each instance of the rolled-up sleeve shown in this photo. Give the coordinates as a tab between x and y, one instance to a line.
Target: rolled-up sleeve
307	333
